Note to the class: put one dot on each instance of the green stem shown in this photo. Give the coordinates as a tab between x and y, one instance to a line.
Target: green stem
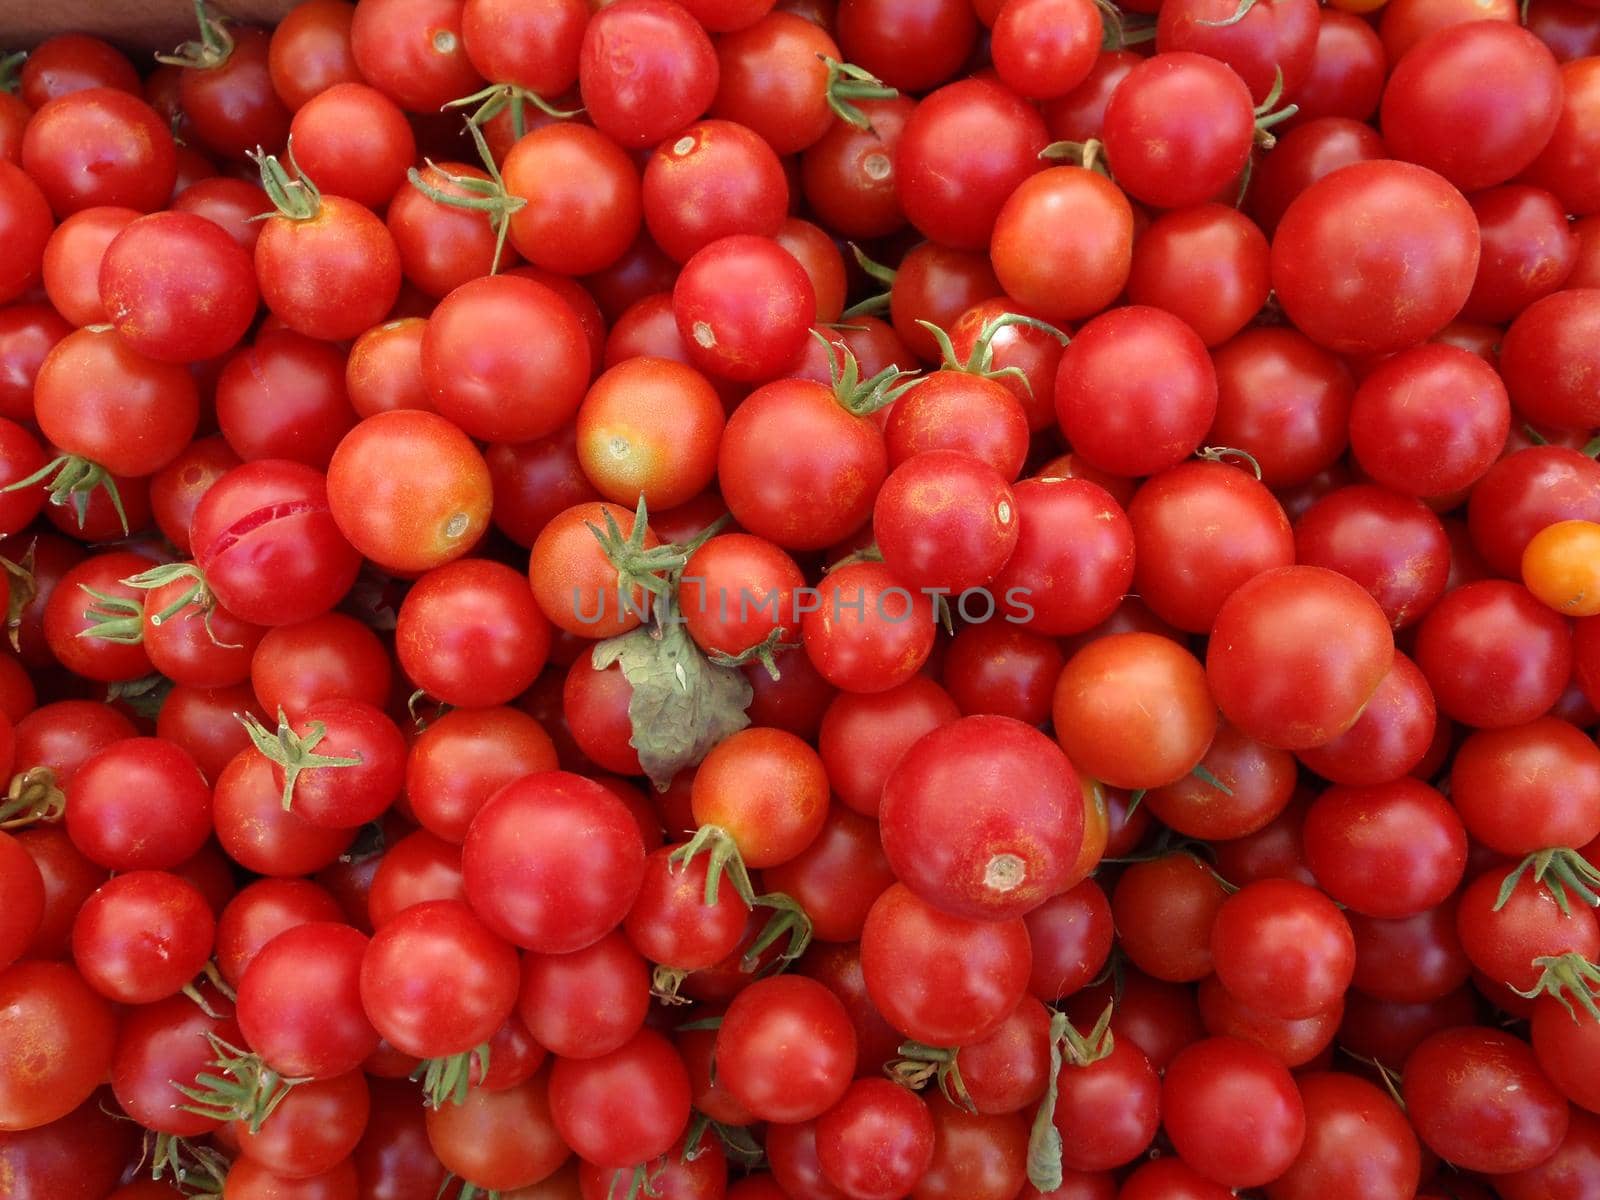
211	50
33	798
293	751
724	858
72	478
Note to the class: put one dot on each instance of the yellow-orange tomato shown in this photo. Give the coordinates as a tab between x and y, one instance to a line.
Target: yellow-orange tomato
650	427
409	490
1561	566
767	789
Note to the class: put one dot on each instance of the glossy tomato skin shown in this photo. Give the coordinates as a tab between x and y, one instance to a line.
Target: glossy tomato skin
1504	783
1197	111
650	427
470	633
864	734
646	69
285	397
265	537
1528	251
1063	243
100	146
1206	264
944	520
744	306
786	1049
505	359
436	982
1283	948
333	275
1494	655
1205	1096
1523	493
1358	1143
600	1110
1566	164
940	979
1133	710
1357	294
1542	379
412	50
962	829
26	221
963	152
97	396
53	1019
142	936
177	287
1444	79
1391	544
1455	1088
574	583
1429	421
869	632
410	490
767	789
1296	653
22	888
1389	850
355	142
139	803
911	47
1200	530
1073	561
1135	391
300	1002
564	887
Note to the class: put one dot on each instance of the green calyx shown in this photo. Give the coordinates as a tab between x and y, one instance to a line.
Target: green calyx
1560	870
508	98
294	197
764	652
293	752
788	921
11	70
1221	454
33	798
1565	978
195	1170
487	196
447	1080
1068	1047
72	479
639	568
920	1063
210	50
848	83
878	273
1090	155
1267	112
981	361
243	1088
118	619
196	599
863	397
723	858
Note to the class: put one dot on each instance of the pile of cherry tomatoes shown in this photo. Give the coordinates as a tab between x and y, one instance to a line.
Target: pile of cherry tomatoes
698	599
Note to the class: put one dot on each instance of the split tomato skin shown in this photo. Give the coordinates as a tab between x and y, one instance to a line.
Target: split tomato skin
266	539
